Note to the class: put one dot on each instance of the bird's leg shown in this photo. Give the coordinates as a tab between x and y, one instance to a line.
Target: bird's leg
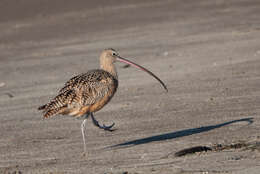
83	131
95	122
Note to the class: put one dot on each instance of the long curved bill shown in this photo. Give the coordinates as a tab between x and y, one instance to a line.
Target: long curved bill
121	59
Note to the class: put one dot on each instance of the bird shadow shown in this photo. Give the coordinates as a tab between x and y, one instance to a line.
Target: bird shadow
178	134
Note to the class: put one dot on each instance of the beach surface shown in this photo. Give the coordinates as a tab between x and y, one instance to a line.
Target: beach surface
207	53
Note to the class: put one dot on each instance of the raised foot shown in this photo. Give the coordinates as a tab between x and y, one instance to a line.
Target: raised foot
106	128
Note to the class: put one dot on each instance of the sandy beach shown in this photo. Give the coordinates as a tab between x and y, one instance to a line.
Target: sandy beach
207	53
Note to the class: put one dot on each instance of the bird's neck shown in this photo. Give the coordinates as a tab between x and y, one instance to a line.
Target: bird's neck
111	68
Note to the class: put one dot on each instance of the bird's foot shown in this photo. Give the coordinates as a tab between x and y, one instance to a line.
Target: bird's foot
106	128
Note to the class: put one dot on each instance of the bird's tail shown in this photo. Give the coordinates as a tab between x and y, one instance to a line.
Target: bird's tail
58	105
53	112
42	107
47	112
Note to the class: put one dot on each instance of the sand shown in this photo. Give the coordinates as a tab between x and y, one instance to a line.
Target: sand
207	52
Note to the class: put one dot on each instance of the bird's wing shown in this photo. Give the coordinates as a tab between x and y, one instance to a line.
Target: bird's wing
82	90
71	83
59	103
90	86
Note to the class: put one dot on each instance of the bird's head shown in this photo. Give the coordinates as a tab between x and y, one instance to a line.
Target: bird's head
110	56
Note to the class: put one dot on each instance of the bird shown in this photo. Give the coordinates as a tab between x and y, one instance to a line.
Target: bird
87	93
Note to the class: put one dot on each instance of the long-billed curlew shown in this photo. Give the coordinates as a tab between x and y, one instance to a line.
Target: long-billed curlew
89	92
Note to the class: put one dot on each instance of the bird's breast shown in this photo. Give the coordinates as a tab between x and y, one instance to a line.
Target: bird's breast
99	104
105	99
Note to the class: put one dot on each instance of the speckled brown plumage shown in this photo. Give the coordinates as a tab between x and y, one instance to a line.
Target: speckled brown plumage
84	93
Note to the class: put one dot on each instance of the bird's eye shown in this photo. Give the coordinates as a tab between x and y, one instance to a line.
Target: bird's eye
114	54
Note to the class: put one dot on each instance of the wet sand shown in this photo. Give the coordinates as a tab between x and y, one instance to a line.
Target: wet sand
207	52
